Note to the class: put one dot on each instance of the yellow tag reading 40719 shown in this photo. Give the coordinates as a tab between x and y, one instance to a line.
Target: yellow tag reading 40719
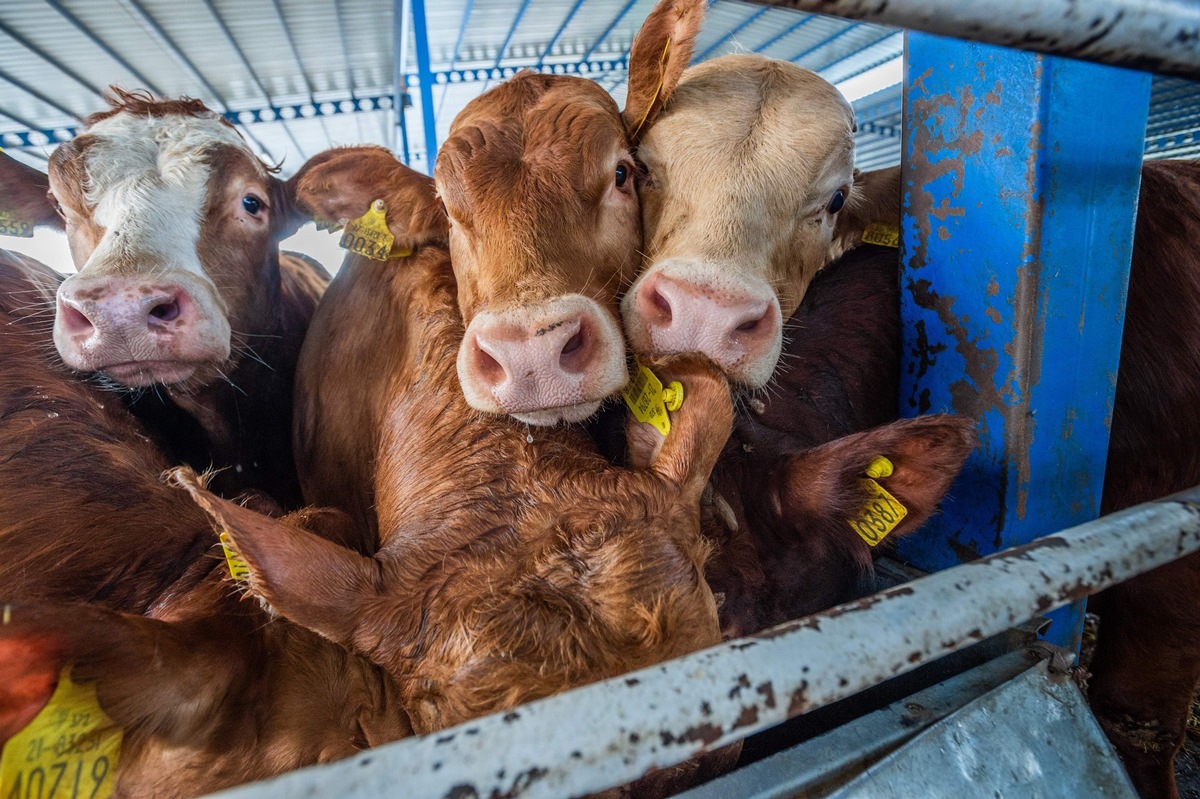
649	401
69	750
369	235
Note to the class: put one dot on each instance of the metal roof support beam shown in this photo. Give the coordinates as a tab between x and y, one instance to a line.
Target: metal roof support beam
110	52
859	51
462	32
795	26
1158	37
604	35
135	8
826	41
291	41
49	59
557	34
341	26
426	79
212	9
32	92
750	20
1030	369
512	30
401	18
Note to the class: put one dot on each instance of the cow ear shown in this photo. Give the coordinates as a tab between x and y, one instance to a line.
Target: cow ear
925	455
699	428
304	577
874	200
661	51
167	677
339	185
25	196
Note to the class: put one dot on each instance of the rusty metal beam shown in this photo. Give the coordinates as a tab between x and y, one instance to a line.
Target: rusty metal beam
1161	36
610	733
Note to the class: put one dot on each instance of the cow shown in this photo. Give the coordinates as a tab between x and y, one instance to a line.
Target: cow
539	180
182	302
511	562
108	571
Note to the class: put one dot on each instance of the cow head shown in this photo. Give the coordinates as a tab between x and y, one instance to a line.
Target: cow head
747	166
173	224
538	178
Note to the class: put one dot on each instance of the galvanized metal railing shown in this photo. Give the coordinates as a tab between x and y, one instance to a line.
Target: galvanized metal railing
613	732
1162	36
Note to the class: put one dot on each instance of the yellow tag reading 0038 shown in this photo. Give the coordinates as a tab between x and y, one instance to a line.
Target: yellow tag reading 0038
644	396
68	751
11	225
881	514
883	235
369	235
238	568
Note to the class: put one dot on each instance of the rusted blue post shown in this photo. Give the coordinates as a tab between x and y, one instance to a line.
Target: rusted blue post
1019	183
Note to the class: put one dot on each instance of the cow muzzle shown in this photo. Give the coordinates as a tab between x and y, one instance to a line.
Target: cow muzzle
545	364
139	331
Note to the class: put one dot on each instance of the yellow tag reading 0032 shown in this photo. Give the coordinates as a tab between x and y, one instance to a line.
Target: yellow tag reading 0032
68	751
11	225
369	235
644	396
883	235
881	514
238	568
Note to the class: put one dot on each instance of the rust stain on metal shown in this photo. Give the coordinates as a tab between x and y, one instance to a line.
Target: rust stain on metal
767	691
705	733
748	716
799	702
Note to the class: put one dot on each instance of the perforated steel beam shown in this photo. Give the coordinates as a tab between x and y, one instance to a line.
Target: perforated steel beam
425	81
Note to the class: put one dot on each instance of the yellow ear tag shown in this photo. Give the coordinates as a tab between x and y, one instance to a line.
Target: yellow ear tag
70	749
882	512
649	401
369	235
12	225
883	235
238	568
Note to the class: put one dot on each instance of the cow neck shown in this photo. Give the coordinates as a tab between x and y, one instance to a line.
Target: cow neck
447	474
243	425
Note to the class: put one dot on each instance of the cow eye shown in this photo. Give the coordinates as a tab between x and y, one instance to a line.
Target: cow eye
252	204
622	175
836	201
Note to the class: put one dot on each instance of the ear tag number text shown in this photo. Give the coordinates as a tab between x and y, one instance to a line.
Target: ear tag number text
649	401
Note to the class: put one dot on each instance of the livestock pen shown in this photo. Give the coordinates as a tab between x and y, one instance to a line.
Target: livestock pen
1016	241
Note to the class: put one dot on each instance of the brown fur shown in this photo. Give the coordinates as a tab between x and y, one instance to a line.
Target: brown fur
233	415
24	194
209	689
505	570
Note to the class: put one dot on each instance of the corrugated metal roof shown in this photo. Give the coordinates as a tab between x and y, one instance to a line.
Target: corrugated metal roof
295	70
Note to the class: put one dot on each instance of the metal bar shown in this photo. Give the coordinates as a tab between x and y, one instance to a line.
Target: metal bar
1019	194
110	52
875	112
401	18
51	60
341	26
32	92
828	40
805	20
553	39
745	24
151	26
262	89
857	52
1161	36
425	76
512	30
291	42
665	714
604	34
871	65
462	32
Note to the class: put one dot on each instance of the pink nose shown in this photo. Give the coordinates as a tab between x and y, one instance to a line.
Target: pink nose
95	315
733	328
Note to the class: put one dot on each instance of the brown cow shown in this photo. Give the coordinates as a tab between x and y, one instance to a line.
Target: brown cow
182	300
511	564
538	178
209	689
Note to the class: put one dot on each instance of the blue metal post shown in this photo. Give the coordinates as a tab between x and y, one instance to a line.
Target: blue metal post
1019	185
425	77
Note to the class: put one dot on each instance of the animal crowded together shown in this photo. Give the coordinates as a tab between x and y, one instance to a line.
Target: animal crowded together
272	518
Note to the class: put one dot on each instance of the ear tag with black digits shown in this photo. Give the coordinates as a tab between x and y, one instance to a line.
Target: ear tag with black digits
882	512
881	234
238	568
369	235
649	401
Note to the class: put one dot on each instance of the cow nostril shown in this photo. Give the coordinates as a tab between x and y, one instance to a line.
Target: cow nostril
74	321
166	312
746	327
573	343
488	368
